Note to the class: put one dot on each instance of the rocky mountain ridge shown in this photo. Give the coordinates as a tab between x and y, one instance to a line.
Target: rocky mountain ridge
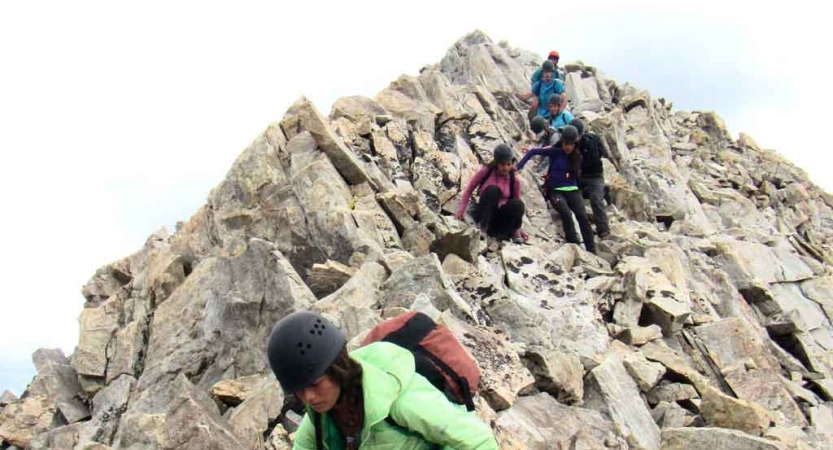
703	322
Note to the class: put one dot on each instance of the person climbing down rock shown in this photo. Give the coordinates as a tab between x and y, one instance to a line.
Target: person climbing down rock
541	91
559	118
545	135
559	74
591	179
371	398
561	185
500	210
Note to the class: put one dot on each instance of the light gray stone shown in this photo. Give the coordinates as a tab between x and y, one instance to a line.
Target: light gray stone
763	386
141	432
7	397
108	407
503	375
583	93
192	421
671	392
720	410
424	278
23	420
559	374
610	390
59	382
250	420
324	279
303	116
713	438
218	320
541	423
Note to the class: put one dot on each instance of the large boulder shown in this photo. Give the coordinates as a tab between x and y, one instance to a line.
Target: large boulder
23	420
216	324
304	116
58	380
713	438
503	376
423	280
610	390
541	423
192	421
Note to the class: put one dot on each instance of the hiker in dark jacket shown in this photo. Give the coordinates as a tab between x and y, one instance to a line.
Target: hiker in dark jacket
561	185
591	179
500	211
372	397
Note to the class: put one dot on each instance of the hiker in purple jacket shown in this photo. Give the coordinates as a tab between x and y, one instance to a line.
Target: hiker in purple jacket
561	185
500	211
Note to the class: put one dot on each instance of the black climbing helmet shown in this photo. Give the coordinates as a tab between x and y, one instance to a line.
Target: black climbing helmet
503	154
301	348
555	99
569	134
547	66
579	126
538	124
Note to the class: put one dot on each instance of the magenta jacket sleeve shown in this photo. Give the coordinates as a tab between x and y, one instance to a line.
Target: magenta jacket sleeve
473	183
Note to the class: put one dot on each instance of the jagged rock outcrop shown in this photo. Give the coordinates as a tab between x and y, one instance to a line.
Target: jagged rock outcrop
708	305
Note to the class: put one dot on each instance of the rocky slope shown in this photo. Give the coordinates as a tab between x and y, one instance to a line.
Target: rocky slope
703	323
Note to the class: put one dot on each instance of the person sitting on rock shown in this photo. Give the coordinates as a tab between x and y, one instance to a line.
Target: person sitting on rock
500	211
371	398
559	74
591	179
542	90
559	117
561	185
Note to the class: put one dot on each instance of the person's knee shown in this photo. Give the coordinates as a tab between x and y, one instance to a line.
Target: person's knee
491	192
516	207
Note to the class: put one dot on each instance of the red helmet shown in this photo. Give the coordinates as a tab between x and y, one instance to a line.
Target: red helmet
554	54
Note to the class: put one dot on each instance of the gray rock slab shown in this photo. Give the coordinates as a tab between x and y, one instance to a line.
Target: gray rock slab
713	438
610	390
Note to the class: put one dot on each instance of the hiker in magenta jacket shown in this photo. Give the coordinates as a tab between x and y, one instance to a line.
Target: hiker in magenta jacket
500	211
371	398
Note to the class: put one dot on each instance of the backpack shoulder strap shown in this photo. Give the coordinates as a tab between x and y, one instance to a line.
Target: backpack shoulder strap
511	184
485	177
319	432
412	332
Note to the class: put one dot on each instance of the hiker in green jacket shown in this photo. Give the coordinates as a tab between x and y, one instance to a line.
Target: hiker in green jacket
371	398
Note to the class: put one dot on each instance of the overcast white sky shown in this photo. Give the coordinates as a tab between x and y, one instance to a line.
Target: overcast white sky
117	118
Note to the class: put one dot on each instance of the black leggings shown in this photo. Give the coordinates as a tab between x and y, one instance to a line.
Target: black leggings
568	203
500	221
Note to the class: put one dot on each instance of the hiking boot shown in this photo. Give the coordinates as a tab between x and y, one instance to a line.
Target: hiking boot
603	234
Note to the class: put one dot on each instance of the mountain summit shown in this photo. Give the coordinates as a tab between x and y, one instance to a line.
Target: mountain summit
703	321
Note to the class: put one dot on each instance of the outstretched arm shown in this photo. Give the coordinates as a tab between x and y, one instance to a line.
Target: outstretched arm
424	409
464	200
531	153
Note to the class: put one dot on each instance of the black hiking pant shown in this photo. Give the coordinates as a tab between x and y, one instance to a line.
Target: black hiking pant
593	189
499	221
568	203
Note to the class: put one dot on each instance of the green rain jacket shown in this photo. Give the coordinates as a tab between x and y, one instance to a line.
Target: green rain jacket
393	388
